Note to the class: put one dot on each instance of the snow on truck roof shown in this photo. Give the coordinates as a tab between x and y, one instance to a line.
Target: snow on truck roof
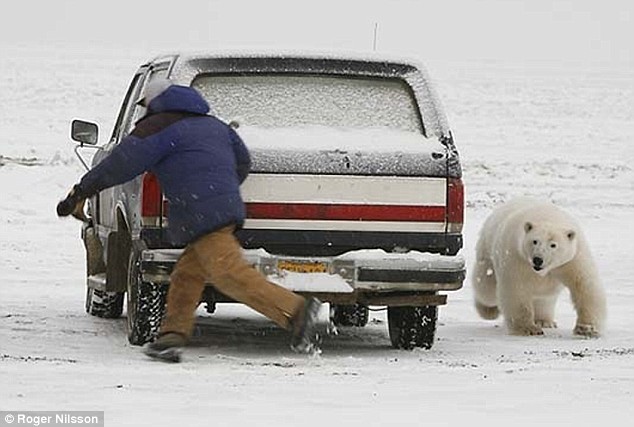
368	57
186	66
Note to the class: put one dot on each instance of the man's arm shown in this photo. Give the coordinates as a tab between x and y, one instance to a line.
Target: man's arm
130	158
243	158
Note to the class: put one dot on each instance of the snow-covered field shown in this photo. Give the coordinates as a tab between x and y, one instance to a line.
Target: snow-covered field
560	131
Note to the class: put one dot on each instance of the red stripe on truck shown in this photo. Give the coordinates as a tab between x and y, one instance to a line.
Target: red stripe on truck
314	211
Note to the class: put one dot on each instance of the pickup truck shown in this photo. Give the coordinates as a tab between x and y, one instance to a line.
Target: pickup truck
355	193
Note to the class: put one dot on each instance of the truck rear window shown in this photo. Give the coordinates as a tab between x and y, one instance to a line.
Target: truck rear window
288	101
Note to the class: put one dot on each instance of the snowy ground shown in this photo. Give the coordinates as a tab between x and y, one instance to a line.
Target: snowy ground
560	131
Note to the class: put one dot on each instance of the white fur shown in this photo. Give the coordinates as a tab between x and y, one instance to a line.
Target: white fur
505	278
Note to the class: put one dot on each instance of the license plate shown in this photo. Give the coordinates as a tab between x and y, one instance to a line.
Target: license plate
303	266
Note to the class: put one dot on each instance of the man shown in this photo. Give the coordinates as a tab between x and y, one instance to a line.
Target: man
200	163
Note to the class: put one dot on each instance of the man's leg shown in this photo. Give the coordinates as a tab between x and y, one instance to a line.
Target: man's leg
220	256
217	258
187	283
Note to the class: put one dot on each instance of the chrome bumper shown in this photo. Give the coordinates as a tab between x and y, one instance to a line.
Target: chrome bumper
372	270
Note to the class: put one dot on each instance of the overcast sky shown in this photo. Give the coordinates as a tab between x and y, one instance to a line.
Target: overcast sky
543	30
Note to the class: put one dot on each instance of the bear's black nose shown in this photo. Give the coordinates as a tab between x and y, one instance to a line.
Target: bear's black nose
538	262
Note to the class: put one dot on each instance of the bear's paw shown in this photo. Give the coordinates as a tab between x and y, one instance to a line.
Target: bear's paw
589	331
526	330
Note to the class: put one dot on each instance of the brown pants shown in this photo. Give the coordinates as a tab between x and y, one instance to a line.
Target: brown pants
217	258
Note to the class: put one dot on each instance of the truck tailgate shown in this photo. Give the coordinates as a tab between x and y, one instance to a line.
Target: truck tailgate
345	202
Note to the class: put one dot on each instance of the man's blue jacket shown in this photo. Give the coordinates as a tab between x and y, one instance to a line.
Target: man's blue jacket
199	161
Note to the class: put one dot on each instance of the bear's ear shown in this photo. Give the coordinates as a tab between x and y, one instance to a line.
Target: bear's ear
528	227
571	235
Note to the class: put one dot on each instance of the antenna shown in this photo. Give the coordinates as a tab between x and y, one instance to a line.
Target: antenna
376	32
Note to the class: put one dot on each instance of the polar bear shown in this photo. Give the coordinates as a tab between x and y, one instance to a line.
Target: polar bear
527	252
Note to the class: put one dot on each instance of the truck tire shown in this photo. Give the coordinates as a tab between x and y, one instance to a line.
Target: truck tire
412	327
145	305
108	305
349	315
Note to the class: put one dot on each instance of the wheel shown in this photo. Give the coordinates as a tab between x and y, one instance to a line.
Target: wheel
145	303
412	327
349	315
108	305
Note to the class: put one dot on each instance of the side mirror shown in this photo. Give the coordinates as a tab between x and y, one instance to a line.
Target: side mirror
84	132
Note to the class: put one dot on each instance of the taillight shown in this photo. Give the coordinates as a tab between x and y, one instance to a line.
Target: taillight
455	205
151	200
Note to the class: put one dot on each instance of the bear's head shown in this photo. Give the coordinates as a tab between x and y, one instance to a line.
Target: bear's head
547	246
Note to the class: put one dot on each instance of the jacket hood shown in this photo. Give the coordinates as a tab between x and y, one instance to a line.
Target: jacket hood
179	98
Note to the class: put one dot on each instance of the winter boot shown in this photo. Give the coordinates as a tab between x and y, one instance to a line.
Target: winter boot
303	328
167	348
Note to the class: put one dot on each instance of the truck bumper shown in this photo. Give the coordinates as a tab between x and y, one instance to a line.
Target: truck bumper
346	277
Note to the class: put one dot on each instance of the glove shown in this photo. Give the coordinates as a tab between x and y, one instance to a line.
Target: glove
71	202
